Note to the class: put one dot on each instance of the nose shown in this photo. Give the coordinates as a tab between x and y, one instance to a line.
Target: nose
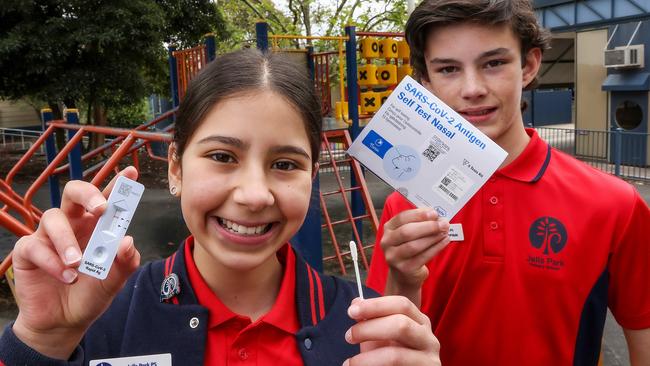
252	190
473	86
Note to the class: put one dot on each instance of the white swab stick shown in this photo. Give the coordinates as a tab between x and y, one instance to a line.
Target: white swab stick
355	260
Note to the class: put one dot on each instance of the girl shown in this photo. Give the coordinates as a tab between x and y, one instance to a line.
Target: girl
244	154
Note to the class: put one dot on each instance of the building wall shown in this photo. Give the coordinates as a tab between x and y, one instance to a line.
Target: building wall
18	115
591	102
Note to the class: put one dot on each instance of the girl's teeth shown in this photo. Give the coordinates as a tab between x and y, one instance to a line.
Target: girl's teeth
241	229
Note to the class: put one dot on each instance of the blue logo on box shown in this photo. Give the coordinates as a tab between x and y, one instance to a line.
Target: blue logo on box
377	144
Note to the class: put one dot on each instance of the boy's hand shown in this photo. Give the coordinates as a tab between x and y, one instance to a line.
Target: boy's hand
391	331
410	240
56	305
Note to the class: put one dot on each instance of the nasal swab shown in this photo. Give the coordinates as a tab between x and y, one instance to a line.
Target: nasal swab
355	259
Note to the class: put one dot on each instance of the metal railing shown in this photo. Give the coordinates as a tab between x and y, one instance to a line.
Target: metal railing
619	152
14	138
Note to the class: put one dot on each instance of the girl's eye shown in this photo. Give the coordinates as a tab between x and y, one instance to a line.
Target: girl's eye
284	165
494	63
222	157
447	70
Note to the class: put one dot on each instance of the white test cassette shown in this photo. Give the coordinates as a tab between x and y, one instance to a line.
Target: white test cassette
111	228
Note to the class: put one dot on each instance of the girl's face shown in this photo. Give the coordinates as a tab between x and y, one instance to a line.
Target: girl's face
245	180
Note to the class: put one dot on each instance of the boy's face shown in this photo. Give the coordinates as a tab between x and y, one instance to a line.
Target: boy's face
477	70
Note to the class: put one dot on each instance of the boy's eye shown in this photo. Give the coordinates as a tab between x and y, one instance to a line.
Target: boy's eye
447	70
222	157
494	63
284	165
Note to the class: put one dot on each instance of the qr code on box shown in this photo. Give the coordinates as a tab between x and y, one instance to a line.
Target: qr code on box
431	153
125	189
443	187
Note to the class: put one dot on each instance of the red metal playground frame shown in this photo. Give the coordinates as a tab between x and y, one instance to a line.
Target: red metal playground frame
128	143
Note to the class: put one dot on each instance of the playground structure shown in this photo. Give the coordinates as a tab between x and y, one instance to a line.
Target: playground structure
376	62
20	216
338	132
125	143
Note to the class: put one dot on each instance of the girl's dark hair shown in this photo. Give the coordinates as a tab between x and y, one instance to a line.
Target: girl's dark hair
431	14
240	72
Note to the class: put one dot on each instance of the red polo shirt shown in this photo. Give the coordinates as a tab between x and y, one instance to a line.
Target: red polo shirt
549	243
234	339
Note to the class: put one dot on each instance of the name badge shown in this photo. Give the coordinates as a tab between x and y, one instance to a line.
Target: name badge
456	232
163	359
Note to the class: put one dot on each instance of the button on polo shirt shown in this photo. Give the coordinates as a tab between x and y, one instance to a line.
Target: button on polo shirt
236	340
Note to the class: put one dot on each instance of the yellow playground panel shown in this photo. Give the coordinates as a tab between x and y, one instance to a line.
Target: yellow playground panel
383	61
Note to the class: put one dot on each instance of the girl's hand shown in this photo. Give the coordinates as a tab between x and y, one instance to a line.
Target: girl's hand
410	240
391	331
56	304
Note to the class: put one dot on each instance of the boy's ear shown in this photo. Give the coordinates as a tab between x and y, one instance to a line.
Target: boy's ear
173	167
532	63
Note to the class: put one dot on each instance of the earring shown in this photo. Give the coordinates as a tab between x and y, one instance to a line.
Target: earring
173	190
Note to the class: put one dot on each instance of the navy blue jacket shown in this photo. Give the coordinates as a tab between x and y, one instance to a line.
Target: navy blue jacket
138	323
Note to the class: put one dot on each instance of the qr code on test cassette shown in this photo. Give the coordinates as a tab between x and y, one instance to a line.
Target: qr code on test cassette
125	189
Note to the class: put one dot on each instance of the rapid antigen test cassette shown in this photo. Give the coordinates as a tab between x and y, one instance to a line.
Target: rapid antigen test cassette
426	151
111	228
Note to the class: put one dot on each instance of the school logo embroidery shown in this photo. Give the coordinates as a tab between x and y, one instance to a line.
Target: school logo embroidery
548	237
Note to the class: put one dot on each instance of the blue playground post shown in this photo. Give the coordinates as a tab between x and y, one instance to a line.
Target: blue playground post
76	169
262	35
308	241
310	62
353	114
211	46
50	151
351	74
173	75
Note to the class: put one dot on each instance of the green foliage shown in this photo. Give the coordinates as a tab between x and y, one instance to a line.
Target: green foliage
186	22
110	54
241	16
129	116
105	53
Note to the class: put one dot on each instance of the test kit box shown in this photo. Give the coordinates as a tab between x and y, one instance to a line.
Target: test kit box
426	151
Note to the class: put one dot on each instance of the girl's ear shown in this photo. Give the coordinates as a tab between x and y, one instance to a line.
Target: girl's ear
173	168
532	63
314	172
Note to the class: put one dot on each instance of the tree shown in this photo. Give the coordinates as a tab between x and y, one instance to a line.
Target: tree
309	17
241	16
97	53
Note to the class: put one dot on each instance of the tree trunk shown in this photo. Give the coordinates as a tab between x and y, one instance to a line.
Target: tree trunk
59	135
306	19
99	119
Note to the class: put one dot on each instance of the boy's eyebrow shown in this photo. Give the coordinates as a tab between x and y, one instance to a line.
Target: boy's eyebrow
495	52
290	149
224	140
490	53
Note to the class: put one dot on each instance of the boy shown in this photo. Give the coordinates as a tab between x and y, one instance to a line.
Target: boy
549	243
